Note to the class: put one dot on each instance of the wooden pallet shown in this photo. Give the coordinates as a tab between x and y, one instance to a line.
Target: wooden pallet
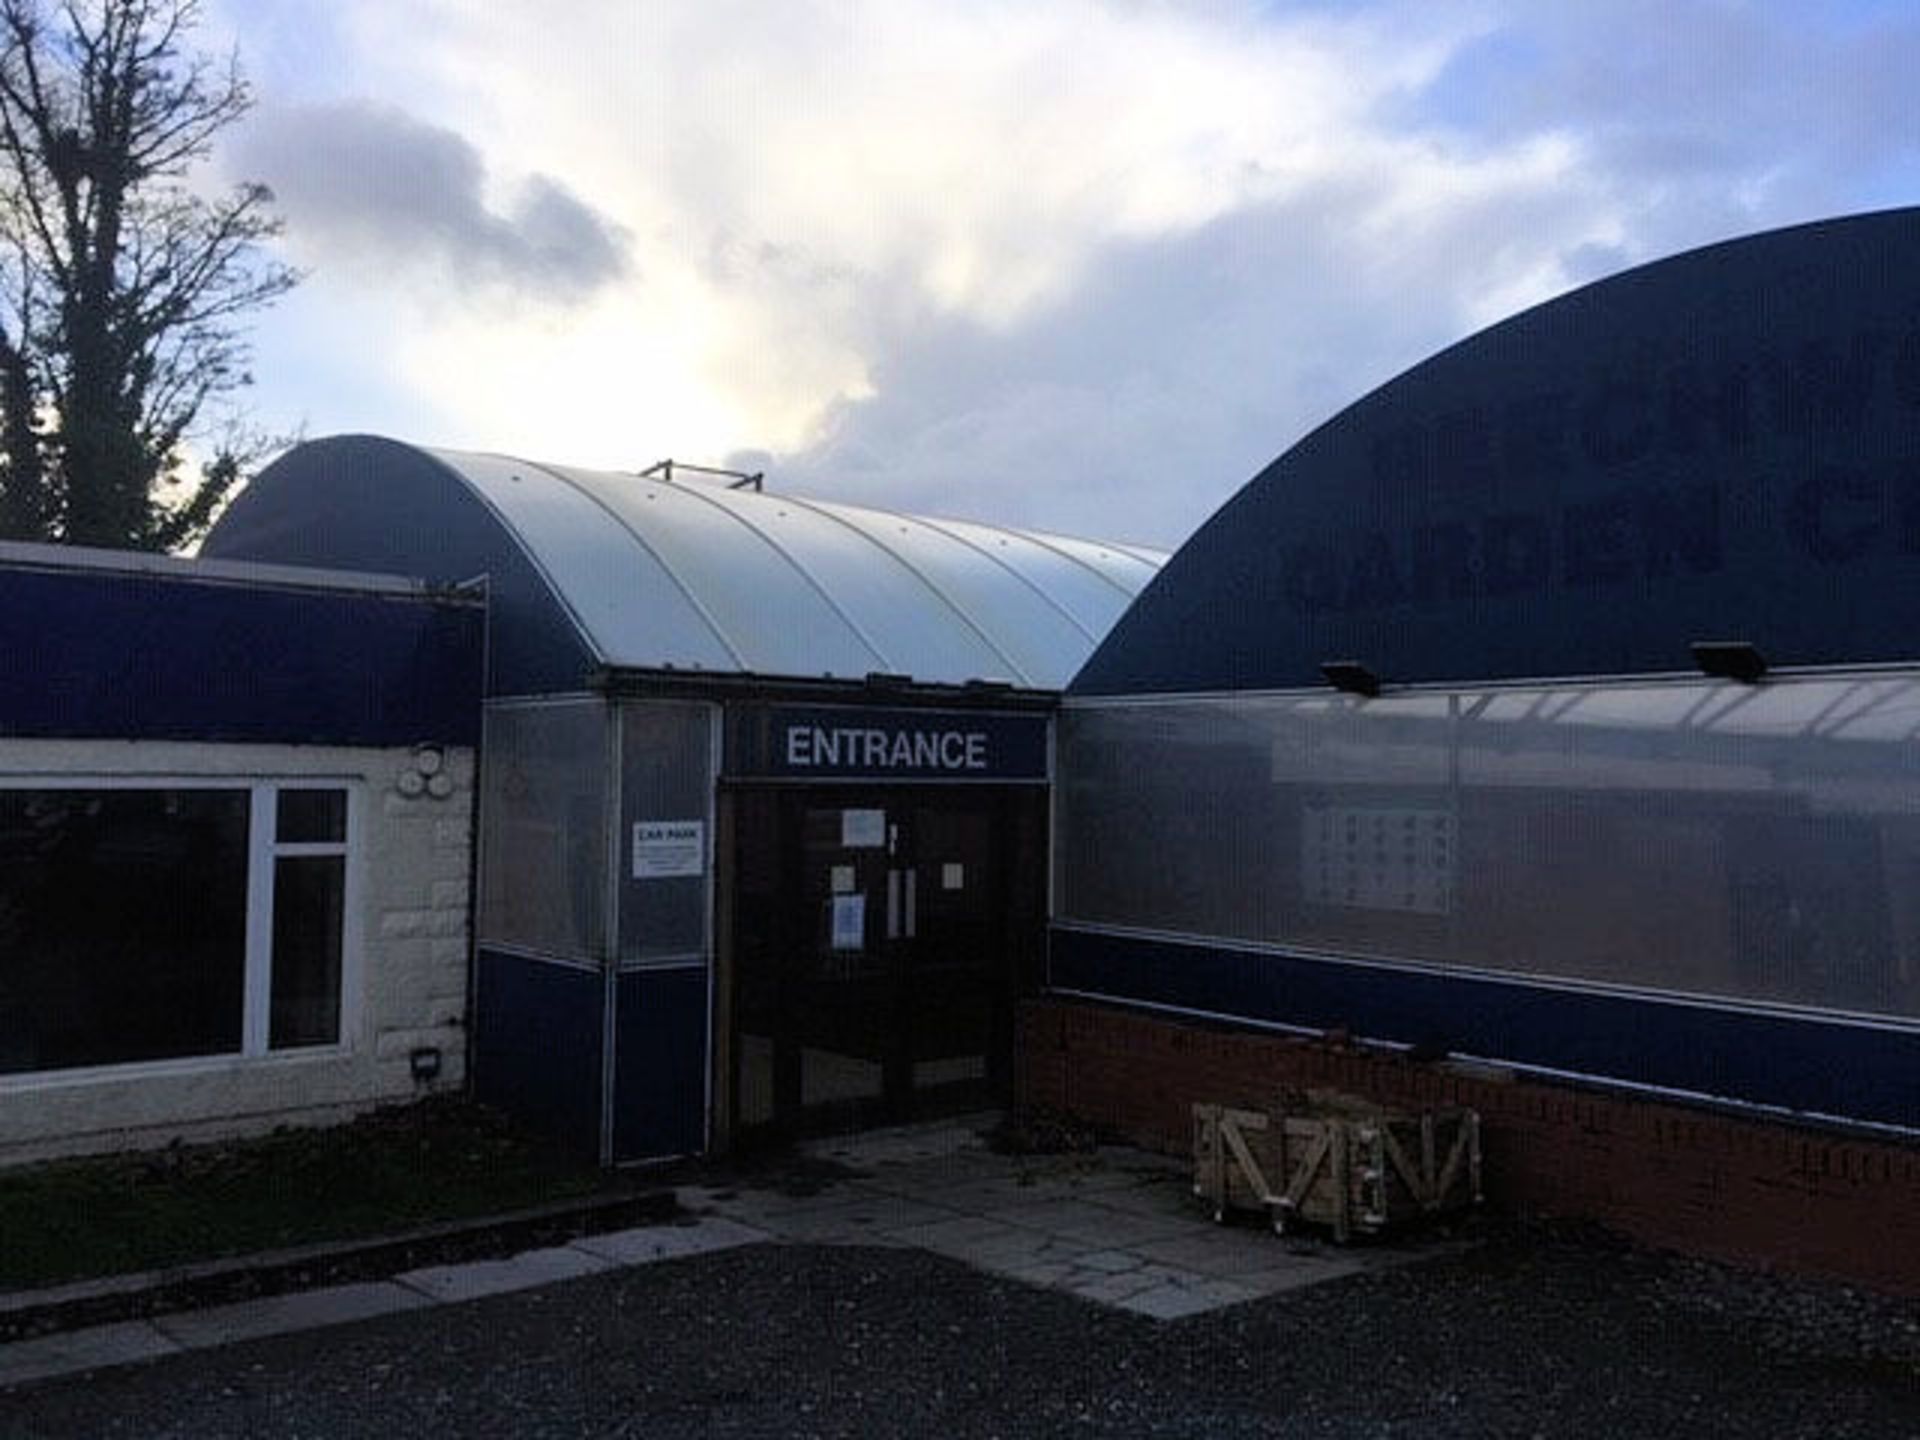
1336	1161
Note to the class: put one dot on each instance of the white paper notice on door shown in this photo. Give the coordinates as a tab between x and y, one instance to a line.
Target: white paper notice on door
862	829
669	849
849	922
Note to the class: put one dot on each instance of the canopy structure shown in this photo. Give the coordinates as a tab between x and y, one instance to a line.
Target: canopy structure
597	569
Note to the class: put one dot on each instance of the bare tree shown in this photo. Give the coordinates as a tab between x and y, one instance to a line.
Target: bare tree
122	287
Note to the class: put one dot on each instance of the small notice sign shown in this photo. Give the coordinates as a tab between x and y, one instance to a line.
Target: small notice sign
862	829
669	849
849	922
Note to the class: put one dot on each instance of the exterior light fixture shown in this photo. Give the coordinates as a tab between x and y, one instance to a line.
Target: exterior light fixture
1729	660
1351	676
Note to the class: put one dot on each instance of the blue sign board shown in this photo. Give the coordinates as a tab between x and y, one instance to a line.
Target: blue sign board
814	742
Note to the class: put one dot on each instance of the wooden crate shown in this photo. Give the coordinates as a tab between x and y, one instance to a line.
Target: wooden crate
1336	1160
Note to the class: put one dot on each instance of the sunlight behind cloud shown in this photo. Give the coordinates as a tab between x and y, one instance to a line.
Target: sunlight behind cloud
799	185
1049	261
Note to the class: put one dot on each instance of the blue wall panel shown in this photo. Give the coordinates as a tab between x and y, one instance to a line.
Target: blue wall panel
91	653
1721	445
538	1045
1812	1064
660	1070
358	502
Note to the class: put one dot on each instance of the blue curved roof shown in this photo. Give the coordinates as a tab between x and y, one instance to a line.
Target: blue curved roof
1721	445
595	569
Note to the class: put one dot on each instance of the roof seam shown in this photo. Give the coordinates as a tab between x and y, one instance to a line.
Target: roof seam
512	532
719	632
1052	544
805	574
1062	610
1019	670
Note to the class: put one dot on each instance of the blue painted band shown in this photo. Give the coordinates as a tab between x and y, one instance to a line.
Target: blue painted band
95	654
1813	1064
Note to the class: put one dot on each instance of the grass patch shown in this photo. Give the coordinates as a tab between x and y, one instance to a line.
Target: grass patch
438	1160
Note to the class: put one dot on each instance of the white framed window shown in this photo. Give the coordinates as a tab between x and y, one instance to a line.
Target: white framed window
172	918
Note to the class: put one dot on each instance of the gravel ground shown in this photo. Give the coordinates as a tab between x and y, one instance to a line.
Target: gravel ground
1539	1333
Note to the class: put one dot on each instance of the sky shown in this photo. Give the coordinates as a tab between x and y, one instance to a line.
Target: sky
1078	266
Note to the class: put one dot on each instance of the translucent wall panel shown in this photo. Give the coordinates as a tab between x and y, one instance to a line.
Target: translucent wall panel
1759	843
543	837
666	830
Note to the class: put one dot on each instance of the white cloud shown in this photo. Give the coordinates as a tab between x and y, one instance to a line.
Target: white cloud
1083	264
375	188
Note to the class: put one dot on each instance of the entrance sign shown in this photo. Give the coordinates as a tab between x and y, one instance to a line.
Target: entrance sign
862	743
669	849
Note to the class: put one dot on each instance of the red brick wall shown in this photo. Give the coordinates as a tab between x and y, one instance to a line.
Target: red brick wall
1778	1195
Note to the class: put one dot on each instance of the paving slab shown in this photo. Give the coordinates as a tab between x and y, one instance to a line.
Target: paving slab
645	1244
476	1279
91	1349
867	1218
757	1206
907	1143
1110	1262
1152	1196
1046	1274
1172	1302
1090	1222
956	1234
279	1314
1226	1253
1113	1289
976	1192
1016	1248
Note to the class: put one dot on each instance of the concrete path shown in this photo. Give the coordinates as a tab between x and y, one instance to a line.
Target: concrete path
1117	1227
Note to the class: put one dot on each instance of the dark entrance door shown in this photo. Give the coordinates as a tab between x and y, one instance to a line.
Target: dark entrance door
879	938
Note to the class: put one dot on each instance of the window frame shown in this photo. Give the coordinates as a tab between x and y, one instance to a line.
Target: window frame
263	850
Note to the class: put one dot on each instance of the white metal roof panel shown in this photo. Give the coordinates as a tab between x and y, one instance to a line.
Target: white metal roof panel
619	593
1027	630
1092	591
690	574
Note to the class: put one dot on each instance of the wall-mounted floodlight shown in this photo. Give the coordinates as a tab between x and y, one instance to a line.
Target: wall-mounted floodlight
1351	676
1729	660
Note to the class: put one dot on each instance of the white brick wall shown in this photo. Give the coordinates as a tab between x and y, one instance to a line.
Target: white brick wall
405	973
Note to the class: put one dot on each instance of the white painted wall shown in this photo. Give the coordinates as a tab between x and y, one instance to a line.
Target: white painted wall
404	972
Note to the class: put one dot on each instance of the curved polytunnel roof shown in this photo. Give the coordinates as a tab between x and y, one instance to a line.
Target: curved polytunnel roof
643	572
1716	446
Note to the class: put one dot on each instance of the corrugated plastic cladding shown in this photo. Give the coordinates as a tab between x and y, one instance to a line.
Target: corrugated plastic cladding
93	655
